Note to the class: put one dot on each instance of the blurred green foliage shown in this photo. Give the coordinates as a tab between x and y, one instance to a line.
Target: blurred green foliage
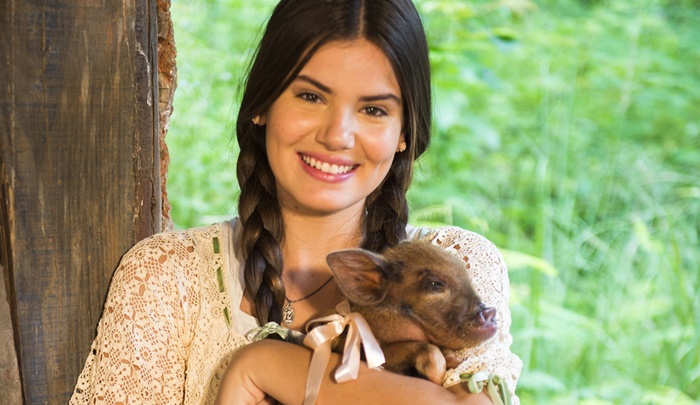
566	131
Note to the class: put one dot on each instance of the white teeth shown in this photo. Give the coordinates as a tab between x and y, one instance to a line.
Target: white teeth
325	166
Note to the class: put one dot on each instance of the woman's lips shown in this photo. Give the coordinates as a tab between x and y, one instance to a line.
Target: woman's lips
327	171
326	167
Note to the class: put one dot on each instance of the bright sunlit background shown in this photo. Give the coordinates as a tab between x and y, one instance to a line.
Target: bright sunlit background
566	131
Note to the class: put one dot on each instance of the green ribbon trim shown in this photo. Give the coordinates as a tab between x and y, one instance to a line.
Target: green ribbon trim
220	279
270	328
496	387
227	316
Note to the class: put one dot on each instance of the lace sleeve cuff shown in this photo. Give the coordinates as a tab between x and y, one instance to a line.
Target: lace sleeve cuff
489	277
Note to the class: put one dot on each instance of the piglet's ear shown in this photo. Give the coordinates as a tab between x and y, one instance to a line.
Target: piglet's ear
361	275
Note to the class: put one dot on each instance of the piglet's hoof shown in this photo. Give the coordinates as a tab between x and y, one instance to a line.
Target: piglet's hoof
431	363
451	358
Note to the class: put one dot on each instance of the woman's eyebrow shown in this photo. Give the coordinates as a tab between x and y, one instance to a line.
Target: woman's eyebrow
316	83
326	89
381	97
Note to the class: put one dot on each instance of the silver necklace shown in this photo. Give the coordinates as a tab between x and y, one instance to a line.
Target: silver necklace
288	311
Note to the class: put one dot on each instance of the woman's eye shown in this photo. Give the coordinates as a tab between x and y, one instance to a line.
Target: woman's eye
310	97
375	111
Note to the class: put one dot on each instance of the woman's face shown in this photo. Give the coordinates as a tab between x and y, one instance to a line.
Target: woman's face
332	134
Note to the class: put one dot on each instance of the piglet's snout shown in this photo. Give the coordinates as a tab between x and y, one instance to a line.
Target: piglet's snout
486	315
482	325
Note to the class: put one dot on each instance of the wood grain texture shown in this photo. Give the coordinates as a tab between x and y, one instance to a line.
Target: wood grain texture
9	371
80	171
167	83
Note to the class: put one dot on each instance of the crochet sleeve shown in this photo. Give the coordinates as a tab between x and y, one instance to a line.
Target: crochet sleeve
489	277
139	354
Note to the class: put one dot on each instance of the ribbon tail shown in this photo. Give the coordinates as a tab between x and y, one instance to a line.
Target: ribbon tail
493	393
373	352
350	365
319	360
319	340
358	333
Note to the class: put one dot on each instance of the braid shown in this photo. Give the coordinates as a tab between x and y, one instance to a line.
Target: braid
387	209
260	216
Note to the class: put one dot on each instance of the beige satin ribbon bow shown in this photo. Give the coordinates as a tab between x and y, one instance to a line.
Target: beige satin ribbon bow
319	340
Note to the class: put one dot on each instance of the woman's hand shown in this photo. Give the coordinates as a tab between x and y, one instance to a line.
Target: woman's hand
238	385
465	397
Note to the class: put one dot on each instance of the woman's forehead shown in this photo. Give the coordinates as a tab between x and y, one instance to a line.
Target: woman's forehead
355	64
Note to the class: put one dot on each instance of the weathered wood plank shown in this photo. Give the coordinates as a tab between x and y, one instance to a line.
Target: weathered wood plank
9	371
146	163
79	147
167	83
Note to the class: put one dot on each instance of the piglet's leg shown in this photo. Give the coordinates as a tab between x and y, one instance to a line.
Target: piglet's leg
416	359
451	358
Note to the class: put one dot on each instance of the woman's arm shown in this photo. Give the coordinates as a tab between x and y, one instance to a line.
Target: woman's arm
280	369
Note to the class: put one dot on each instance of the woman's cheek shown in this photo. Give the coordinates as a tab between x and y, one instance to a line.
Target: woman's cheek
384	145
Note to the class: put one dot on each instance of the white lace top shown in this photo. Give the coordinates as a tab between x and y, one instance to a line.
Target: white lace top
172	320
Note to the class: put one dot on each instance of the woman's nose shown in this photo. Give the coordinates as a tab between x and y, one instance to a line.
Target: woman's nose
339	130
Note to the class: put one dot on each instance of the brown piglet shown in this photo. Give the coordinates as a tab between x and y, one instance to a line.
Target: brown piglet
419	302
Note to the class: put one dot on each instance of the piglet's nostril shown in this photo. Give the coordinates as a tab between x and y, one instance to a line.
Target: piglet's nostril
486	315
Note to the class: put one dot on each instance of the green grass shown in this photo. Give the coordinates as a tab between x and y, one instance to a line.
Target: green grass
568	132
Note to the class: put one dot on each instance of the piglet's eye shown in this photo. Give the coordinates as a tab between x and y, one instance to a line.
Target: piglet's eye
434	285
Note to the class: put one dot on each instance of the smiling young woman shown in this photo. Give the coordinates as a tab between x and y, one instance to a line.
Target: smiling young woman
335	111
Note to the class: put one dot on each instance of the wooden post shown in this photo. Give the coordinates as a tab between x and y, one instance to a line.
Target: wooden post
9	372
79	170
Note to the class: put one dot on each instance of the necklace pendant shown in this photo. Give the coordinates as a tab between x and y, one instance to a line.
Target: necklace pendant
288	314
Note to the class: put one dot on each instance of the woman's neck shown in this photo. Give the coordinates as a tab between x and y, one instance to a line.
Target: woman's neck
309	239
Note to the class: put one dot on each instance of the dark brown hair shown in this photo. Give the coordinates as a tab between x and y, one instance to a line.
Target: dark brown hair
294	32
